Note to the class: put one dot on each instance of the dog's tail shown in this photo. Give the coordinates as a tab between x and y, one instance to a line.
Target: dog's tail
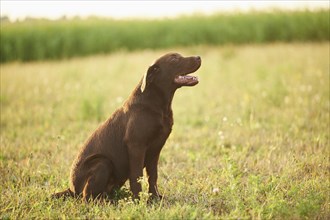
64	194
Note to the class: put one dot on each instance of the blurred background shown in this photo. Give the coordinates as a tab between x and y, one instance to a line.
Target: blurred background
38	30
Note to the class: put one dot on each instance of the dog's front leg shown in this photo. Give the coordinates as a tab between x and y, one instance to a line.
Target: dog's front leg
136	162
152	172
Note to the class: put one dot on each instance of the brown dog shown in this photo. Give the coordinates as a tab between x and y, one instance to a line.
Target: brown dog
134	135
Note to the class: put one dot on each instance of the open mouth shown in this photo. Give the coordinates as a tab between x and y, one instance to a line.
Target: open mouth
186	80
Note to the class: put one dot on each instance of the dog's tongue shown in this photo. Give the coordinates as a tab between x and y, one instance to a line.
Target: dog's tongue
186	80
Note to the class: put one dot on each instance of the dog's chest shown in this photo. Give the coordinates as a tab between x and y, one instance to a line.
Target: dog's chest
166	128
167	122
163	132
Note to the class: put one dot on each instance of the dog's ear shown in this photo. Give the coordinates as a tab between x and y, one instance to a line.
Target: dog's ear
148	76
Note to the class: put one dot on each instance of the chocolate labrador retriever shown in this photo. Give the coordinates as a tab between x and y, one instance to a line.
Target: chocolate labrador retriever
134	135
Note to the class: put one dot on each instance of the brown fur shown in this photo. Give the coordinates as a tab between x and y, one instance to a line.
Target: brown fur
132	138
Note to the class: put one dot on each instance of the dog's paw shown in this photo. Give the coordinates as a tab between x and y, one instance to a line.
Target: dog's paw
155	198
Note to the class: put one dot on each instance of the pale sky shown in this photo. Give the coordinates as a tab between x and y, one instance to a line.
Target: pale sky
148	9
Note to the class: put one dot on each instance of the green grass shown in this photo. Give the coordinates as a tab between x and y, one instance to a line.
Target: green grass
41	39
250	141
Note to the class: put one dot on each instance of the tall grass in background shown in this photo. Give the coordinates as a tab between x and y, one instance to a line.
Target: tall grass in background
42	39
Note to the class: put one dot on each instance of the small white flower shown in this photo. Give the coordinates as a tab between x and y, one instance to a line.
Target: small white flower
215	190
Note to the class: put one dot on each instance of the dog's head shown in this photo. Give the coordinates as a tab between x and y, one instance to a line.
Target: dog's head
171	72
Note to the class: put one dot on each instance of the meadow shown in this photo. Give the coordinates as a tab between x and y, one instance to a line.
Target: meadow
42	39
250	141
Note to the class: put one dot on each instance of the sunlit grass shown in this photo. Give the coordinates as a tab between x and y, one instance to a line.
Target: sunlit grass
250	141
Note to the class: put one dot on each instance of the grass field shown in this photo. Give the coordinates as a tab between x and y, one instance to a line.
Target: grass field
250	141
